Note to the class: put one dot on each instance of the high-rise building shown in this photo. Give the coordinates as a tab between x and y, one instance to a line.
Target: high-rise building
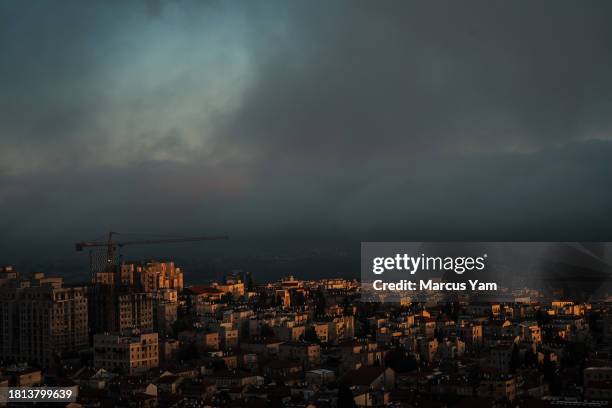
135	295
118	303
41	319
165	307
135	311
9	322
103	308
7	273
153	275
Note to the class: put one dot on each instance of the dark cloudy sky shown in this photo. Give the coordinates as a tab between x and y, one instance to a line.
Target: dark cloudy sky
323	119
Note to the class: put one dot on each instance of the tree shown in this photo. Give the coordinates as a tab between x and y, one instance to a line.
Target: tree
515	359
550	375
311	335
439	335
365	329
400	361
297	298
530	358
275	402
321	302
266	331
250	283
184	322
345	397
262	300
244	331
190	352
219	365
228	297
548	367
542	317
593	322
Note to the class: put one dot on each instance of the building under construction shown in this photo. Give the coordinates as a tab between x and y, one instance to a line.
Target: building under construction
132	295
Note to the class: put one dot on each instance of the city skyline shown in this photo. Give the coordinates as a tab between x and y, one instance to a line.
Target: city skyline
139	333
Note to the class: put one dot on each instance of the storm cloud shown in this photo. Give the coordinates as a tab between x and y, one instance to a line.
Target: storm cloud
359	120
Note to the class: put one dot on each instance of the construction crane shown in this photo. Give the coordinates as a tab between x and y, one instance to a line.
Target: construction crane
113	246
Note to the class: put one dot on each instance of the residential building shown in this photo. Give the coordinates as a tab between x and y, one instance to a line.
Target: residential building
129	354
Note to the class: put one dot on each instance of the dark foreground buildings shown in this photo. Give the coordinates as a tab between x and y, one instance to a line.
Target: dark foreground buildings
40	318
153	342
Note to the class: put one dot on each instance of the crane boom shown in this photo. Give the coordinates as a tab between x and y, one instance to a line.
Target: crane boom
86	244
113	246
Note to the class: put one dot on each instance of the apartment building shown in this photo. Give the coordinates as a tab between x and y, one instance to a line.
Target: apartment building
131	354
40	319
155	275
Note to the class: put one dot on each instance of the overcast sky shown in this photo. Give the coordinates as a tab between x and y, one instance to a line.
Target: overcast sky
353	120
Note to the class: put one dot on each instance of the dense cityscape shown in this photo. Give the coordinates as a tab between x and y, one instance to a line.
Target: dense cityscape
418	197
139	336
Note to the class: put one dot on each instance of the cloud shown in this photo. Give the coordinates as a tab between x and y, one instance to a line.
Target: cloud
413	121
367	82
